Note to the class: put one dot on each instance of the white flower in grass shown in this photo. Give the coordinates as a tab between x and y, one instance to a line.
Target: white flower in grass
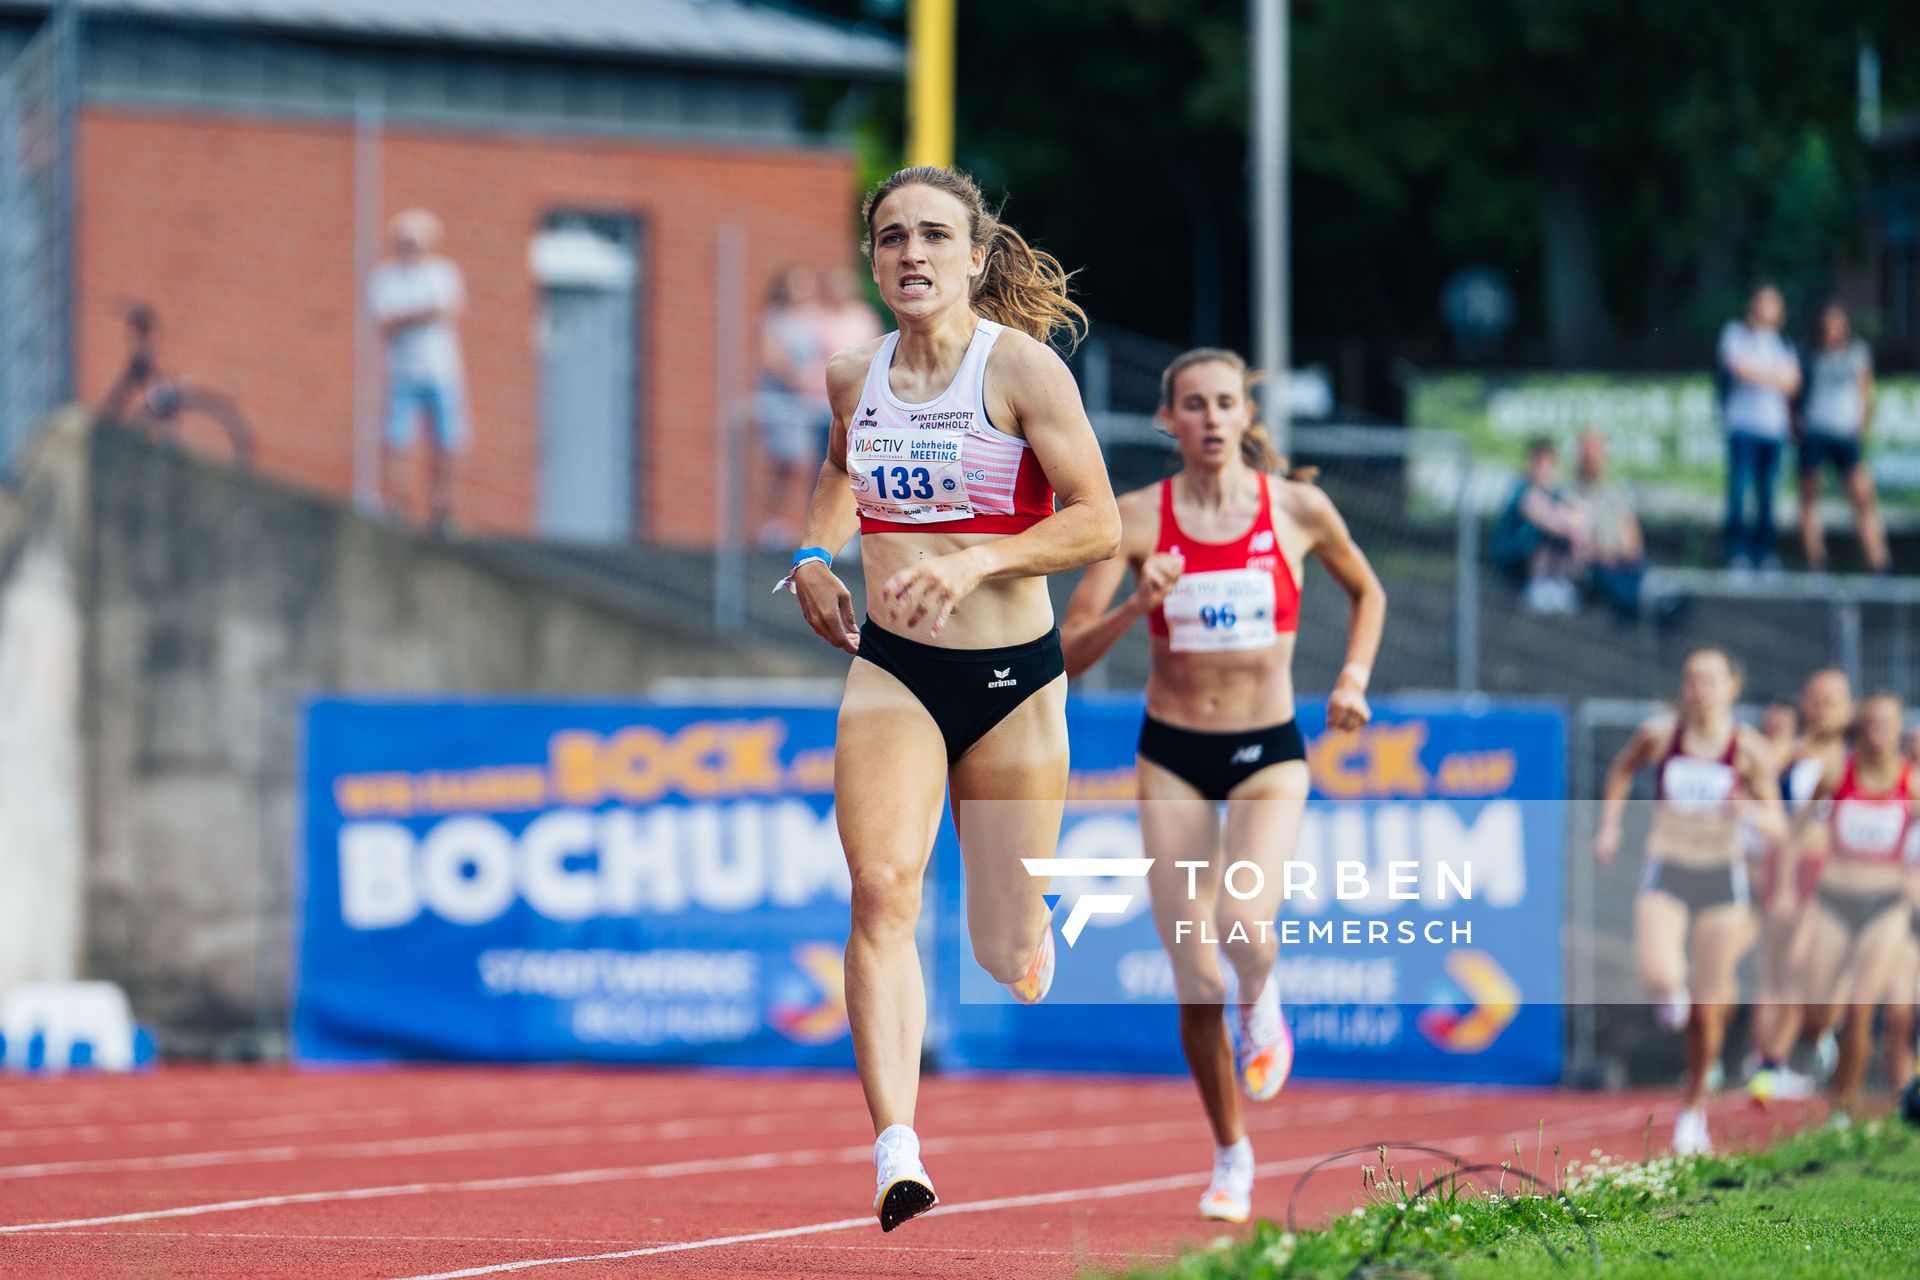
1456	1220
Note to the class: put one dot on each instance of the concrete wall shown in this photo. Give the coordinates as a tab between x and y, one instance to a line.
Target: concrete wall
217	604
42	832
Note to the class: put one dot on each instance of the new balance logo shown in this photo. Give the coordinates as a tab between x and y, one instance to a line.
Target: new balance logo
1249	754
1088	905
1002	678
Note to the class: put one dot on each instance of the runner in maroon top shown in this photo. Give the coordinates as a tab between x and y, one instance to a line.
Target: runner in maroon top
1693	919
1217	552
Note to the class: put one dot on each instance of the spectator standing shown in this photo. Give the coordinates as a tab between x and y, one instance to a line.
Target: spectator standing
845	318
1617	551
416	297
1761	375
790	400
1542	534
1835	419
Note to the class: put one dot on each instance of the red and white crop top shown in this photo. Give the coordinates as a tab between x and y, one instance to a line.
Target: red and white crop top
1871	828
941	466
1691	784
1231	595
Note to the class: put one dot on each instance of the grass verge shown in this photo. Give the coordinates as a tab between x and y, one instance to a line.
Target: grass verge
1822	1205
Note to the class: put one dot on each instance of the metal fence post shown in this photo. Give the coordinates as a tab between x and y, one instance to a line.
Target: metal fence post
368	374
1846	638
729	556
1466	575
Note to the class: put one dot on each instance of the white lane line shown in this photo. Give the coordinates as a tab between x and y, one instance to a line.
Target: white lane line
483	1140
1111	1191
1108	1135
886	1246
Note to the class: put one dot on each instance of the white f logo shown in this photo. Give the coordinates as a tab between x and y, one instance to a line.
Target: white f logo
1092	904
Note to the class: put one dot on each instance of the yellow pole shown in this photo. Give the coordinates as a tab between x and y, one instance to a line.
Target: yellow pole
930	27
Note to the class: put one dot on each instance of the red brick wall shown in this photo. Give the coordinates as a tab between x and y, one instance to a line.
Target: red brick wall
240	232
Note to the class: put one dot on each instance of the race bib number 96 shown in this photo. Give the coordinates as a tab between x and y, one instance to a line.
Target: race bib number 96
1222	610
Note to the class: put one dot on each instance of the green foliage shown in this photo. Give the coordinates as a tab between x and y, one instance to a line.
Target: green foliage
1708	141
1587	1218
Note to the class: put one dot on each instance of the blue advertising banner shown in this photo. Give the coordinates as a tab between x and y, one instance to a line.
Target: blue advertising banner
626	882
534	881
1432	984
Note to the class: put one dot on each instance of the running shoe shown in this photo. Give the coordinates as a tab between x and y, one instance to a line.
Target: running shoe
1826	1056
1674	1011
902	1189
1229	1196
1264	1053
1910	1101
1038	979
1690	1134
1769	1085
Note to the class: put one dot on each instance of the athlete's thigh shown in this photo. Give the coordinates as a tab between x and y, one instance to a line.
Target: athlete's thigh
1880	958
1009	790
1178	824
1263	827
1722	934
1660	930
889	774
1821	956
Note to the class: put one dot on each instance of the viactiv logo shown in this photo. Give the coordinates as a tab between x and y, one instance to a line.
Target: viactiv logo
1491	996
810	1004
1088	905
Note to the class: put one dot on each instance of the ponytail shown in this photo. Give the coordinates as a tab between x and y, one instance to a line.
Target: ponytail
1256	443
1021	287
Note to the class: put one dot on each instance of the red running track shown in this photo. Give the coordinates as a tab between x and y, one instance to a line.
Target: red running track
560	1173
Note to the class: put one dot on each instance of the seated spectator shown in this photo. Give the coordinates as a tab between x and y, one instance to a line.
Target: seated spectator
1541	536
1617	552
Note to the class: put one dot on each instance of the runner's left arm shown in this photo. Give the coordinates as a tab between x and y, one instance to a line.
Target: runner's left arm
1333	546
1033	385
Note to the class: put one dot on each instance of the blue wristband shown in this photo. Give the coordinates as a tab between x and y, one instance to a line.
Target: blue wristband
800	557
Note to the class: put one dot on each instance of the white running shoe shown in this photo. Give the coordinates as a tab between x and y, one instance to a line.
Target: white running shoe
1264	1053
902	1189
1690	1134
1674	1011
1779	1084
1826	1056
1038	979
1229	1196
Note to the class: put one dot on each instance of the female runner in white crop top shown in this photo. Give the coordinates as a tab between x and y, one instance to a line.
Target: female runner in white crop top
961	454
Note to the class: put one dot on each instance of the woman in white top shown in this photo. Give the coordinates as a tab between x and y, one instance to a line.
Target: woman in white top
961	455
1833	428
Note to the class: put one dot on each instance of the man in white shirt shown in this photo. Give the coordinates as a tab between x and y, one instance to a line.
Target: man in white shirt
415	298
1761	376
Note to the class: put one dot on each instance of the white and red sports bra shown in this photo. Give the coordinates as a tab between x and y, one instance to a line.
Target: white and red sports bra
941	465
1871	828
1690	784
1231	595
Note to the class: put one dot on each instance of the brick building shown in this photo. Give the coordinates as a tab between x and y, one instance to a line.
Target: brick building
236	162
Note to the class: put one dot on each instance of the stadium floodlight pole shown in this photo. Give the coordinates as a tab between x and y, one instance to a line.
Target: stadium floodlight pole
1268	19
930	34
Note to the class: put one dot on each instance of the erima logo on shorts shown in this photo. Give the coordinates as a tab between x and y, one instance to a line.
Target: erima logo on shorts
1247	754
1089	905
1002	678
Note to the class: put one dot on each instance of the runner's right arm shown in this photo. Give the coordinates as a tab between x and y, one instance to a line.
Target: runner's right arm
1090	629
1640	749
832	519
